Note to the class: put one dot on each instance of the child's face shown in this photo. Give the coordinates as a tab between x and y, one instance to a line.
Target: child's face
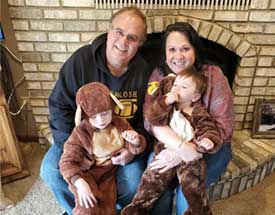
185	89
180	54
101	120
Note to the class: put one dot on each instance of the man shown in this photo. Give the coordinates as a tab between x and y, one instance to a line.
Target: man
113	60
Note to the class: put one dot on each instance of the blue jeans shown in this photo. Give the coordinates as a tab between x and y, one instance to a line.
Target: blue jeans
128	178
216	166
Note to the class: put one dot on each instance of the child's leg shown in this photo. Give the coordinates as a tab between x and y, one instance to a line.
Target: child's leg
152	185
216	166
109	191
102	183
192	179
164	205
81	210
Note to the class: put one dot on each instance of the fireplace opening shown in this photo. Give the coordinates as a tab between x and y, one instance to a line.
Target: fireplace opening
217	54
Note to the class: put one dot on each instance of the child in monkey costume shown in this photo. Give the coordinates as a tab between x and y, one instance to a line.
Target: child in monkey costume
86	163
177	104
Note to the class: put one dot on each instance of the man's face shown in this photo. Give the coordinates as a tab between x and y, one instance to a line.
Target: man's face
124	39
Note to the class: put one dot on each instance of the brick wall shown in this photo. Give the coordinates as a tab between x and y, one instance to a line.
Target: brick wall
49	31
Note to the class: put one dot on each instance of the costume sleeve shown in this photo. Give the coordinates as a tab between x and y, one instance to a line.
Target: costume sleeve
205	127
123	125
158	86
151	88
219	101
74	159
158	113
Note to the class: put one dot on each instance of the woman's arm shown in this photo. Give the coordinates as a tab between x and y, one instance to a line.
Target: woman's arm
169	158
219	101
186	150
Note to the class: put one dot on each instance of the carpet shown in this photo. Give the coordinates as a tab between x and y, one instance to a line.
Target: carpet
38	201
257	200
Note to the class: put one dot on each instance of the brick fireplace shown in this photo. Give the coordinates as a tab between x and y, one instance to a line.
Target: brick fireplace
48	32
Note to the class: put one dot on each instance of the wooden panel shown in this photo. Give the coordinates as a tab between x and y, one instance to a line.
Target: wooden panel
10	161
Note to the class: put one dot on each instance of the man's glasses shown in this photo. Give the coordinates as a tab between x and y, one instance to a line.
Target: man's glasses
119	33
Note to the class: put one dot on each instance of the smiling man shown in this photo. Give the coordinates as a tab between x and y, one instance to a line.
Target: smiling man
111	59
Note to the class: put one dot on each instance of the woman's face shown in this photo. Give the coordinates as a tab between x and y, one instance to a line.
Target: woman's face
180	54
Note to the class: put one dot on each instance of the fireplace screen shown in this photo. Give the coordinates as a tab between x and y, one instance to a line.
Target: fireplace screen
176	4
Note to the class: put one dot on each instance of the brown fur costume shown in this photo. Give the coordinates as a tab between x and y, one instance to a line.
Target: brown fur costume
191	175
78	159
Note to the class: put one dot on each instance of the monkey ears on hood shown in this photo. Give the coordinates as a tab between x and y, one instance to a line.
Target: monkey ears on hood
93	98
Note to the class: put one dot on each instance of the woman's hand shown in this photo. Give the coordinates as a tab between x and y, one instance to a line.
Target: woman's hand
188	152
165	160
85	194
123	157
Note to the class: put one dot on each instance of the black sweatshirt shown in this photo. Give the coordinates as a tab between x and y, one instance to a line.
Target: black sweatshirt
89	64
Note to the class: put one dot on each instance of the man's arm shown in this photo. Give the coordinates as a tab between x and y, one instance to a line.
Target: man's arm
62	104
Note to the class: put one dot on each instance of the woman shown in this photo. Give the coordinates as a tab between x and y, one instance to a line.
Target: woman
183	49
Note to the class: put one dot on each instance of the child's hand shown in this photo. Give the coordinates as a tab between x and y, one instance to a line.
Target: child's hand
131	136
206	144
85	194
171	98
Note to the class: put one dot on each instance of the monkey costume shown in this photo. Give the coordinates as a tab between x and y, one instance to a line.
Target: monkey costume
88	151
191	175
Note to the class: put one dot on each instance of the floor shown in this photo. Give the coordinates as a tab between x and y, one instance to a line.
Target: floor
258	200
32	155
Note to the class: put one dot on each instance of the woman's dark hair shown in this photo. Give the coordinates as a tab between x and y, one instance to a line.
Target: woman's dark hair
187	30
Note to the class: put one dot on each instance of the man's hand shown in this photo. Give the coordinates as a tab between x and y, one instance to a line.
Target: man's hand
131	136
123	157
85	194
165	160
